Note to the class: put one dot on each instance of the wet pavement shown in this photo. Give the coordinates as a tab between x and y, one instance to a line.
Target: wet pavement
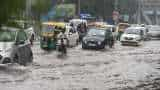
120	68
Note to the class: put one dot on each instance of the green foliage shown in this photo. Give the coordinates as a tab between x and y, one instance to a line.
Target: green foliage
41	7
96	7
9	8
65	10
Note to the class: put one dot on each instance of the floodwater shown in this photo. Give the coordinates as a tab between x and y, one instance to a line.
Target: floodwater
120	68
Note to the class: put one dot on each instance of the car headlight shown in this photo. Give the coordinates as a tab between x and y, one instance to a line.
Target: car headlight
137	39
99	42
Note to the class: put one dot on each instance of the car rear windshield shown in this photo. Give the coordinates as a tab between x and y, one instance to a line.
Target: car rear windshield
132	31
7	36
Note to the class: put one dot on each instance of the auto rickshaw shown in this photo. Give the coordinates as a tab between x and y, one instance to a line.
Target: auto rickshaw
49	33
120	29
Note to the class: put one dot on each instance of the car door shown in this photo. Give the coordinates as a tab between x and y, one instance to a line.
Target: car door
23	48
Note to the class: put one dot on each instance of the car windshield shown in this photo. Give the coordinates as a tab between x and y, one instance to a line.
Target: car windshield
7	36
96	32
132	31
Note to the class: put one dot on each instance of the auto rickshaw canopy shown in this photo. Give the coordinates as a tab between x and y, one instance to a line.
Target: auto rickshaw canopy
122	26
101	25
52	28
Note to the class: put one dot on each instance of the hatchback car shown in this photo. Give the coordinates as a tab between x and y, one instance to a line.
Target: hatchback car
154	32
14	47
134	36
97	38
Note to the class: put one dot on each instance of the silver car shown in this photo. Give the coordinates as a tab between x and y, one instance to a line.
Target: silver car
14	47
154	32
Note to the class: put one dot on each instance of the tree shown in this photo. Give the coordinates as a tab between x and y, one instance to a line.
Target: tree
10	8
103	8
41	7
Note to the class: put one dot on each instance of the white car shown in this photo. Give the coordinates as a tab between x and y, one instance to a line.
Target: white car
14	47
72	36
134	36
76	22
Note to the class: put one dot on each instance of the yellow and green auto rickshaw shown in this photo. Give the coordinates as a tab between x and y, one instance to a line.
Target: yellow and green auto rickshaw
49	33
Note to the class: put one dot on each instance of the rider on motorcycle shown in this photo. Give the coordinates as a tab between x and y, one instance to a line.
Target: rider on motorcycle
62	41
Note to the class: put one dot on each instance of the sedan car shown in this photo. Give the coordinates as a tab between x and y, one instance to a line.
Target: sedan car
154	32
96	38
133	36
14	47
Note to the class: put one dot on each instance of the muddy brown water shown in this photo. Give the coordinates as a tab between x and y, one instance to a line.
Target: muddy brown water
120	68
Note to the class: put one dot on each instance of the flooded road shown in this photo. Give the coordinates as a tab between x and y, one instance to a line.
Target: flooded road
120	68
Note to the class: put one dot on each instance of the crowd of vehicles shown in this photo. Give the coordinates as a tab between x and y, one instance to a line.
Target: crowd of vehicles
15	43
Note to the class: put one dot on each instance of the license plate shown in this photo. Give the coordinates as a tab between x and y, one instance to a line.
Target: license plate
92	44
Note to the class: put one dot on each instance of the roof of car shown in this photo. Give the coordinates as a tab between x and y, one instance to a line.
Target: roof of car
9	28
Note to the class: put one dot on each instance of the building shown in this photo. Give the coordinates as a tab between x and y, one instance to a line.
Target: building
150	11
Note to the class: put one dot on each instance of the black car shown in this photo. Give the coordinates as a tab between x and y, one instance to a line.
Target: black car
97	38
